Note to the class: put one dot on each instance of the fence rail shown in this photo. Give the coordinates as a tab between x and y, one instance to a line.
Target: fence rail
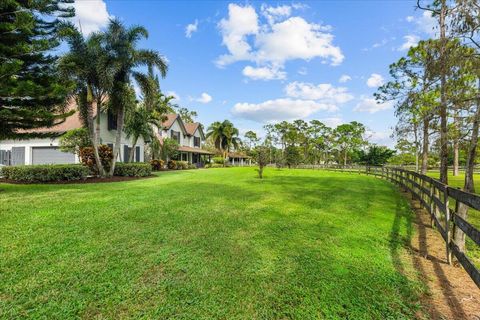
436	198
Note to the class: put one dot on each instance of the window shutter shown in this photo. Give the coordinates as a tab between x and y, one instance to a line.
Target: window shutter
137	154
112	121
126	153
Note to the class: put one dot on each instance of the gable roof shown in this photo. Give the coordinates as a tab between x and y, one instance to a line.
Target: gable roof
171	118
72	122
192	127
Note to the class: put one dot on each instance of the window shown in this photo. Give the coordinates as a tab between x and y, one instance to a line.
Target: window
196	142
175	135
112	121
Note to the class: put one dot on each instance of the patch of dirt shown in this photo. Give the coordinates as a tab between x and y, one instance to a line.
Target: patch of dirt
452	293
88	180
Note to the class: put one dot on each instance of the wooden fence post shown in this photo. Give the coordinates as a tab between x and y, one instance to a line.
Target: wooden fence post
432	204
447	225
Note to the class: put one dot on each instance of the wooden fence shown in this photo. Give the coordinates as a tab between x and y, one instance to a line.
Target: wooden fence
437	199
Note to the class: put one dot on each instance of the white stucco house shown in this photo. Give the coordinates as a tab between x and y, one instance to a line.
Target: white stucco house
46	150
190	137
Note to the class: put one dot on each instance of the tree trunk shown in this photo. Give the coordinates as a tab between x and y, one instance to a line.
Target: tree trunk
426	124
132	152
345	159
443	99
97	128
91	132
415	132
469	185
456	145
118	138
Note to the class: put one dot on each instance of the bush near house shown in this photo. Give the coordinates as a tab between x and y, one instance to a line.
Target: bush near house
45	173
218	160
87	157
135	169
157	165
172	164
214	165
182	165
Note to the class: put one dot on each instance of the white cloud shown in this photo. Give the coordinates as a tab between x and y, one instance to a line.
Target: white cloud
191	28
241	22
279	109
382	138
275	13
91	16
332	122
263	73
281	39
204	98
425	23
302	71
370	105
173	94
375	80
323	92
410	41
344	78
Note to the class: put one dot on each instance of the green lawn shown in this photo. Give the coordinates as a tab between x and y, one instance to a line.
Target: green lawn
203	244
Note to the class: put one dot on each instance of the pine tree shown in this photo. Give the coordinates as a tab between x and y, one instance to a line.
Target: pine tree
32	95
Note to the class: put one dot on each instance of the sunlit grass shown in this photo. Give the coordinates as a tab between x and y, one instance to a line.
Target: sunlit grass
208	244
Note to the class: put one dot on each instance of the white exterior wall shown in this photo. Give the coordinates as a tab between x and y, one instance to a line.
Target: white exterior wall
106	137
109	136
29	144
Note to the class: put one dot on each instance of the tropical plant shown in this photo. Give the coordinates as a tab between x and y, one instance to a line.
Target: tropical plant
169	149
140	122
262	157
73	140
375	156
224	135
84	65
124	59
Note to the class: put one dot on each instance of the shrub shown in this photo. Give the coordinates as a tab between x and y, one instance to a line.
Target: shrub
133	169
218	160
182	165
172	164
192	166
213	165
45	173
157	165
87	157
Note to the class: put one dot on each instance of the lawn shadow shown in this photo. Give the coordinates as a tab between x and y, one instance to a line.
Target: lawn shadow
422	256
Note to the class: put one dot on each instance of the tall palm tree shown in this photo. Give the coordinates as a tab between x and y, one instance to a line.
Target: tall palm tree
139	122
224	135
124	58
83	64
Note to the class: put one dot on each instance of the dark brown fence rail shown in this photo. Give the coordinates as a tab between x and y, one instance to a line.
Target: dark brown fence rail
436	198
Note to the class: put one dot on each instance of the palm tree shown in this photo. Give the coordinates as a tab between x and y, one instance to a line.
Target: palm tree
224	136
140	122
123	60
83	65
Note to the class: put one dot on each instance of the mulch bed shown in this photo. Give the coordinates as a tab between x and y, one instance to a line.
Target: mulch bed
88	180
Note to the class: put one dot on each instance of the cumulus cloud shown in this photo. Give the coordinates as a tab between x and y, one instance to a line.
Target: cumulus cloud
282	38
382	138
263	73
302	71
344	78
323	92
191	28
279	109
332	122
370	105
204	98
91	16
410	40
173	94
375	80
425	23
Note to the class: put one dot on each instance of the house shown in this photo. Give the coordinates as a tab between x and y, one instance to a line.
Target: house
46	150
239	159
190	138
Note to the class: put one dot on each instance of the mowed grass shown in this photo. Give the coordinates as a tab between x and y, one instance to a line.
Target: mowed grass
208	244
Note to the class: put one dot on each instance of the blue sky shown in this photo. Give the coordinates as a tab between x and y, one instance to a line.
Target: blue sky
259	62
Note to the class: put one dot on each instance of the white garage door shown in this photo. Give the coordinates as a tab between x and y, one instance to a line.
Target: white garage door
48	155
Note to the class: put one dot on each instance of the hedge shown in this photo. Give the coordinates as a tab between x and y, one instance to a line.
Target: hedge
45	172
135	169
